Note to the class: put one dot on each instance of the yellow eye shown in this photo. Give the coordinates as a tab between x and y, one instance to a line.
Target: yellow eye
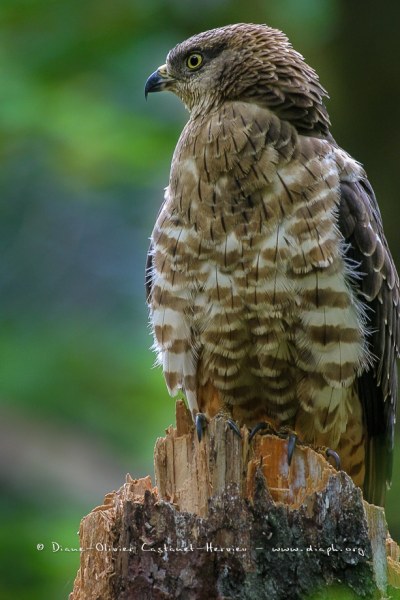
194	61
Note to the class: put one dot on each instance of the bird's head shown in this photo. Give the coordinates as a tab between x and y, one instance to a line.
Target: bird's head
244	62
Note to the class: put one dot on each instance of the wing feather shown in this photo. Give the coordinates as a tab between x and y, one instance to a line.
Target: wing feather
148	281
378	288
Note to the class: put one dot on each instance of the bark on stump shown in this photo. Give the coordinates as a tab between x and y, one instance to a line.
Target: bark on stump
229	520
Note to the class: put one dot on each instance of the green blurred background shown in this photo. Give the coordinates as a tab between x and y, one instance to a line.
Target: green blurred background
83	164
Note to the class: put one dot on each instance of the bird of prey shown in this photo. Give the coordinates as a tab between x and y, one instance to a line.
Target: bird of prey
273	295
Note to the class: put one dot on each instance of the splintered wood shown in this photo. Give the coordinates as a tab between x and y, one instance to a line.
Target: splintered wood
98	537
189	472
230	519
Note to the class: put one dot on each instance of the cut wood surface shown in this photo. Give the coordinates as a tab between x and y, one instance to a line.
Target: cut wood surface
228	519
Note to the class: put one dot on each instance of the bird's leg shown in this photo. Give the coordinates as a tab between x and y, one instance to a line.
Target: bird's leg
226	412
234	426
292	441
286	432
201	423
329	453
262	426
283	432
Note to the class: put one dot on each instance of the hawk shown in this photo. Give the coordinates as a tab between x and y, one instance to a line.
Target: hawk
273	295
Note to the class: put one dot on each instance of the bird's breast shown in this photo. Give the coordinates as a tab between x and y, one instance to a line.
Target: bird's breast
248	256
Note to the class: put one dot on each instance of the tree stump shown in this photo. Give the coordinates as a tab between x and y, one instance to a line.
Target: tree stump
231	520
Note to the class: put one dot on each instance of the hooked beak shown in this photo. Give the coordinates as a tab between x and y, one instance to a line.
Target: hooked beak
158	81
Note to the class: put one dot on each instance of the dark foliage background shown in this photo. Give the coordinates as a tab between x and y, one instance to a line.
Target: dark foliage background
83	164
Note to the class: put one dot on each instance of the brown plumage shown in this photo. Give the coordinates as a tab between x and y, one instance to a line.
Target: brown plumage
272	292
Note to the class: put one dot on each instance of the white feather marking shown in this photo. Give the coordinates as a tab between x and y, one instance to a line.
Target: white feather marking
191	398
331	317
189	165
169	316
230	244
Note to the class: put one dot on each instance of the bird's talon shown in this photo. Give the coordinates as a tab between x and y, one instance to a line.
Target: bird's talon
232	425
201	424
332	454
257	428
292	441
